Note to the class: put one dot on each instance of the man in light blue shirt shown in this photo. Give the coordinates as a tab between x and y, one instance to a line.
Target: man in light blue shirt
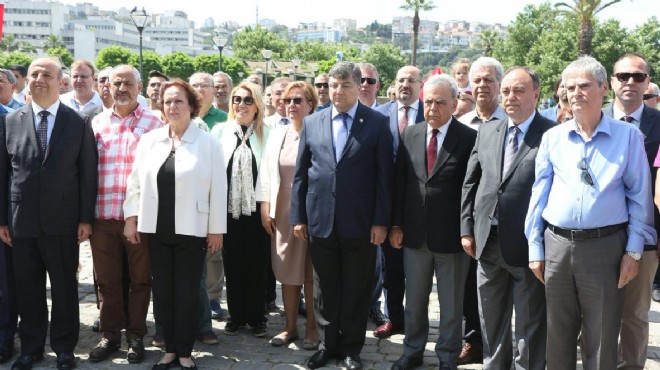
593	191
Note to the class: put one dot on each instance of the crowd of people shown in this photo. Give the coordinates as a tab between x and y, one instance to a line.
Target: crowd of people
339	197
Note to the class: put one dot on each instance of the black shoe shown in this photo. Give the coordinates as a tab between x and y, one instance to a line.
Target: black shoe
102	350
406	363
6	351
318	359
24	362
260	330
352	362
194	365
231	328
135	353
378	317
165	366
66	361
96	325
272	307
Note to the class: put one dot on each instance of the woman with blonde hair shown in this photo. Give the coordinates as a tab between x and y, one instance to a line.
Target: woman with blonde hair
246	245
292	264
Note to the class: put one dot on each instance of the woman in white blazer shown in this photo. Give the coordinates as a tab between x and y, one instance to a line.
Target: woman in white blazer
177	195
246	245
291	262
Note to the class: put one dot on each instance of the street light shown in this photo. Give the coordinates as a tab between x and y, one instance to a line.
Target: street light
139	18
296	64
220	43
266	54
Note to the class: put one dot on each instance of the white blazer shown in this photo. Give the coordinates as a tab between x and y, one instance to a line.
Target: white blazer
200	187
226	134
268	181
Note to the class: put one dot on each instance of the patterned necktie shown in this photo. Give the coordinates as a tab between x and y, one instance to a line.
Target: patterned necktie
403	122
342	136
511	149
628	119
432	151
42	132
284	121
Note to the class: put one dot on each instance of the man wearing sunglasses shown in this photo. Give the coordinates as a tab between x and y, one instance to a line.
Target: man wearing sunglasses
589	218
370	84
652	99
321	85
629	82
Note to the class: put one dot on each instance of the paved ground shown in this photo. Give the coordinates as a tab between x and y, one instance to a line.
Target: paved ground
247	352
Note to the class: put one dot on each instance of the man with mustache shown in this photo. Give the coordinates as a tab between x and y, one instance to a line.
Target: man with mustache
485	79
223	85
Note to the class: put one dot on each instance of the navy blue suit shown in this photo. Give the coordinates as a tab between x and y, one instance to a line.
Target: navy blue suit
340	201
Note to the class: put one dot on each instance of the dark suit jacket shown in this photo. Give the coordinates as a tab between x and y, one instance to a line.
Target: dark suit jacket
49	197
390	110
485	188
428	208
650	127
353	194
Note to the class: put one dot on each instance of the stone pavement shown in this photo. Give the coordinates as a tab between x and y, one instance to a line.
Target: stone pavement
244	351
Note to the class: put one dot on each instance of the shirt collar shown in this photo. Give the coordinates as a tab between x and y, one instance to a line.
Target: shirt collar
524	126
442	130
137	112
52	109
637	114
414	105
351	112
603	126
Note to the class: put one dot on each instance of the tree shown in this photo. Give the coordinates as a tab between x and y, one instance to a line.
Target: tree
178	64
387	59
63	54
206	63
249	43
112	56
610	42
52	42
585	11
9	43
232	66
487	41
151	61
17	58
416	6
646	38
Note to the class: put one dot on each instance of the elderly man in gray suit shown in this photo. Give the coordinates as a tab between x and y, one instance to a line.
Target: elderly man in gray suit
496	191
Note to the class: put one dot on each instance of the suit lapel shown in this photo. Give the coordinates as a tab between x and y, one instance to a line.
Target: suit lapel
530	140
356	128
58	129
448	145
420	112
647	122
27	122
418	150
500	134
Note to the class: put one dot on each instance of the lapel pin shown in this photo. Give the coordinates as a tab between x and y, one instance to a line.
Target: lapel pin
361	120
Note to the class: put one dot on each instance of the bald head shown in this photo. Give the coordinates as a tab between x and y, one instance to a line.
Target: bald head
44	77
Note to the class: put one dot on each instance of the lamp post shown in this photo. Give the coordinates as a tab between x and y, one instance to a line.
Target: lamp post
220	43
296	64
267	54
139	18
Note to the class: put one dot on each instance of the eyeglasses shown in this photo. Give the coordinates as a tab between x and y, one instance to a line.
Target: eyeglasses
625	77
321	85
296	101
649	96
248	100
369	80
203	86
584	175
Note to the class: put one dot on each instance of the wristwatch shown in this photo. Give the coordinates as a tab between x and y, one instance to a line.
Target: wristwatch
634	255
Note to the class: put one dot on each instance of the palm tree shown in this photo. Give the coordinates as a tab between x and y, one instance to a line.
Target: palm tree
585	11
416	6
9	43
52	42
487	41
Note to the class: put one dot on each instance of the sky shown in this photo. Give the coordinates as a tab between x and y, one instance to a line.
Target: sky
291	12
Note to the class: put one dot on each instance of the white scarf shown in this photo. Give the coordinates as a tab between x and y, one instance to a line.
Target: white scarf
241	188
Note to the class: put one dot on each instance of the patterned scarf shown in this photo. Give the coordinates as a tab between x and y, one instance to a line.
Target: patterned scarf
241	188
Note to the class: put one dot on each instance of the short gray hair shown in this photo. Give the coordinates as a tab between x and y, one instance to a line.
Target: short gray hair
324	75
107	71
655	88
586	64
223	74
536	80
487	62
368	66
280	81
204	75
10	76
344	70
442	80
136	73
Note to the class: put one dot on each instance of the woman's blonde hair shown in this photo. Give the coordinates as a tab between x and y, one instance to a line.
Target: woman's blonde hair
255	91
308	90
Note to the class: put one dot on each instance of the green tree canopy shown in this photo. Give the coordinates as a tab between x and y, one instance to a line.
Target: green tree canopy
178	64
231	66
65	57
646	41
151	61
249	43
112	56
16	58
387	59
206	63
52	42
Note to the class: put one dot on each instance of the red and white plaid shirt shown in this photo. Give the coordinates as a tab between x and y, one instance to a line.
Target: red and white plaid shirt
116	141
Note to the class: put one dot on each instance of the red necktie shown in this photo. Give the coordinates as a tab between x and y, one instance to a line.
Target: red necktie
403	122
432	151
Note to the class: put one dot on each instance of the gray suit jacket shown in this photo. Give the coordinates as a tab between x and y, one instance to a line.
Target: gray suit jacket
390	110
485	188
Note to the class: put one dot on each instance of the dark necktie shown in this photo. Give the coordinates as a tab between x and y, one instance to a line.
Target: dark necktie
511	149
628	119
432	151
42	132
284	121
342	136
403	122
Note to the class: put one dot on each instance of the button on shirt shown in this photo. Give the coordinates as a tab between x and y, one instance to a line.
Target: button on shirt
51	117
616	160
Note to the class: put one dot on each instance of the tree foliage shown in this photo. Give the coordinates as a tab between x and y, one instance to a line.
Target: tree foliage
178	64
52	42
585	12
16	58
387	59
206	63
645	40
112	56
416	6
232	66
249	43
63	54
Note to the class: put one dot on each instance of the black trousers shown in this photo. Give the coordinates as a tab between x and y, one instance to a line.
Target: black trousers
395	282
33	258
176	265
343	280
8	313
245	254
471	305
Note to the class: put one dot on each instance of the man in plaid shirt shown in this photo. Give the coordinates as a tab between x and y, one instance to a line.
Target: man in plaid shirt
117	132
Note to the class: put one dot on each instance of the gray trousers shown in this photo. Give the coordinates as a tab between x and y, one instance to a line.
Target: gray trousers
502	288
581	290
450	271
215	277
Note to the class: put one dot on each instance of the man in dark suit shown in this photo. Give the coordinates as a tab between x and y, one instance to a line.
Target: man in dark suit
48	182
496	193
406	111
341	199
430	169
629	81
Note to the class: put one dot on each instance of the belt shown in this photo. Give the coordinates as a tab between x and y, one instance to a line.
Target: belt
586	234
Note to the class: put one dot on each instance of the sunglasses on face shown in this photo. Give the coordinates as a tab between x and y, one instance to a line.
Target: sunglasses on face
321	85
248	100
649	96
625	77
369	80
296	101
584	175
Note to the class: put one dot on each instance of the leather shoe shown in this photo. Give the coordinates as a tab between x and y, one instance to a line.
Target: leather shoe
388	329
352	362
318	359
471	353
656	295
406	363
24	362
6	351
102	350
378	317
66	361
